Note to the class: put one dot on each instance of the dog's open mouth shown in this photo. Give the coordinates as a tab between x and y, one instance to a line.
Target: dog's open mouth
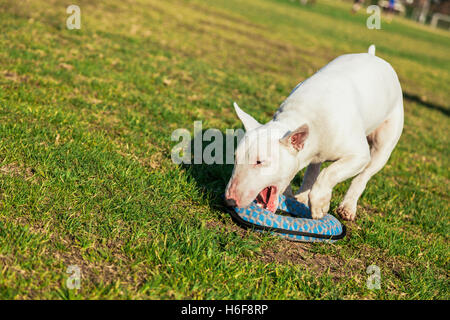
267	198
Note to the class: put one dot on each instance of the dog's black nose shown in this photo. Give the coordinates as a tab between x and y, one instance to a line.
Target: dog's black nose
231	202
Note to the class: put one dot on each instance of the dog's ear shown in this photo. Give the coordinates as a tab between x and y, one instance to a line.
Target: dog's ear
247	120
296	139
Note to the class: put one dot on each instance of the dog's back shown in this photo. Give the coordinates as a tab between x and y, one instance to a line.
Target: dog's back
352	85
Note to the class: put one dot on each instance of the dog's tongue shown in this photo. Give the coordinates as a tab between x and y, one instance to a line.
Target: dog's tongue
267	198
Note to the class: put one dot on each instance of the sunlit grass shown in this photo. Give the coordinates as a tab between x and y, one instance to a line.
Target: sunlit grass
86	176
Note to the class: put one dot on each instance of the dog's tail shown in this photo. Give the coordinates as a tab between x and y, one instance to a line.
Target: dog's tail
372	50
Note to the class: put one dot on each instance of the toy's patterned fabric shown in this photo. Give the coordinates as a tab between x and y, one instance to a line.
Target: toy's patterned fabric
302	225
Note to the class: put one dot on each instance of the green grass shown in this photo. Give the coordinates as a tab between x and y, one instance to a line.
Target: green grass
86	176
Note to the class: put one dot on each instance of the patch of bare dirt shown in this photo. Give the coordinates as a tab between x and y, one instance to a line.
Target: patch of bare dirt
15	169
298	253
14	77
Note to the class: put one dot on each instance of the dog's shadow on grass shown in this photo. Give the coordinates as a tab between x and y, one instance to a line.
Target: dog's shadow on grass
211	178
430	105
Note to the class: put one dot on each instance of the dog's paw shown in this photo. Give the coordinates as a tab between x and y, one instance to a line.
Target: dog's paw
319	202
318	213
303	197
346	212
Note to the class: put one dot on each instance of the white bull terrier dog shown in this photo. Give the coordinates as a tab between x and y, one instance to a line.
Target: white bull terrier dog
350	112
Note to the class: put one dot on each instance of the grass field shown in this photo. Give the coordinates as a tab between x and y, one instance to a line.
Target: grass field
86	176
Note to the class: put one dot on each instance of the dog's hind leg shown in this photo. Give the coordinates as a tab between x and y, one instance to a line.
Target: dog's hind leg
382	141
311	174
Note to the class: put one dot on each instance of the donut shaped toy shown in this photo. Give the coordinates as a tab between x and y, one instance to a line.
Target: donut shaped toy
294	223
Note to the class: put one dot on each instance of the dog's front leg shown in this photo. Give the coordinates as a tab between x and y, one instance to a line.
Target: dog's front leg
288	192
311	174
340	170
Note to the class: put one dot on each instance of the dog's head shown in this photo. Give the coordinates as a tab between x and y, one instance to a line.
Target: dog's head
266	160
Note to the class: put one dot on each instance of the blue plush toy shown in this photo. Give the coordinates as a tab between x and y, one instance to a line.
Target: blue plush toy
300	227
